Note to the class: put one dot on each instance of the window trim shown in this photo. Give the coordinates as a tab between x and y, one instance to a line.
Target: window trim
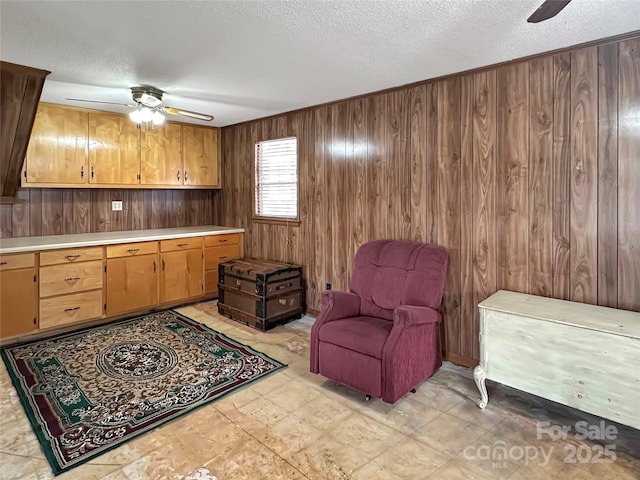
275	220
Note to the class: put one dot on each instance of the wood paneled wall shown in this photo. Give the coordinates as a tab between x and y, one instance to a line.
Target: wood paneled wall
50	211
528	173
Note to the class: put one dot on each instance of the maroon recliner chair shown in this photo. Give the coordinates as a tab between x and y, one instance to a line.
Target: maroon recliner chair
382	338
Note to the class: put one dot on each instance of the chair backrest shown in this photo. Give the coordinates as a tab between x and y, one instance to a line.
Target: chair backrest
389	273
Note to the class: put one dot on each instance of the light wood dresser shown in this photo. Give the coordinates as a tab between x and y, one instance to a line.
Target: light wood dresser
583	356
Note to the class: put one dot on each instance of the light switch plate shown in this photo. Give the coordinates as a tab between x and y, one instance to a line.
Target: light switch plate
116	206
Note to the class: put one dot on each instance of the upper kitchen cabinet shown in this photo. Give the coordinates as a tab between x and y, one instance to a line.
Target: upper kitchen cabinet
200	151
161	155
57	152
73	147
113	150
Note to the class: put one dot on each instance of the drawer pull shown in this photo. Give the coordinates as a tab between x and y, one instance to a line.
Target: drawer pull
223	241
223	257
183	244
133	250
71	279
3	263
72	257
71	309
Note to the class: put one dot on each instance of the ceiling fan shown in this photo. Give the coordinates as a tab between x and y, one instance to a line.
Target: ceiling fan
149	106
548	9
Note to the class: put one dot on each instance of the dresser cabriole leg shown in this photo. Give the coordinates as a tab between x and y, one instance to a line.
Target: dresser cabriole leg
479	375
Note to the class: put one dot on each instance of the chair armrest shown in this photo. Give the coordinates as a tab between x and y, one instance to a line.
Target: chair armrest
406	316
337	305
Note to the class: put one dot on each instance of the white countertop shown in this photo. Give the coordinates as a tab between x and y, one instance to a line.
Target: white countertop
52	242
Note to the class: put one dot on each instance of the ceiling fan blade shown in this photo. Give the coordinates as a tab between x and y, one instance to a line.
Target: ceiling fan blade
98	101
549	9
187	113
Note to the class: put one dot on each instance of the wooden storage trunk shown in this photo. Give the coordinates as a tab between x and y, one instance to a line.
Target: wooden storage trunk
260	293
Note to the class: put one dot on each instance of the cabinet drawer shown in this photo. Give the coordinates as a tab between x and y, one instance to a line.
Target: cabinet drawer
62	279
226	239
180	244
18	260
215	255
130	249
72	308
70	255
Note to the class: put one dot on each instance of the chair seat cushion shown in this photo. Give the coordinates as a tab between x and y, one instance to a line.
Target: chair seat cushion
361	334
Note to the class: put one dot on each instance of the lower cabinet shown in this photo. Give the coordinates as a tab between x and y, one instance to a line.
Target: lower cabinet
132	283
181	273
56	288
218	249
18	313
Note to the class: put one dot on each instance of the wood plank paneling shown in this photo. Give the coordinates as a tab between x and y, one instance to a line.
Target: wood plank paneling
629	176
584	176
561	175
467	305
417	149
492	166
449	213
540	168
50	211
512	206
484	194
607	175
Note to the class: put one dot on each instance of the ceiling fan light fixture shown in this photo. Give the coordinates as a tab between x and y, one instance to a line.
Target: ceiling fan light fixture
158	118
136	116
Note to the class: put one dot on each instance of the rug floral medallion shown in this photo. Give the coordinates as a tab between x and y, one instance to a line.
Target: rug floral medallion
90	391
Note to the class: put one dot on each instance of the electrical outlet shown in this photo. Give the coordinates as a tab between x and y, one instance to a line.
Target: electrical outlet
328	287
116	206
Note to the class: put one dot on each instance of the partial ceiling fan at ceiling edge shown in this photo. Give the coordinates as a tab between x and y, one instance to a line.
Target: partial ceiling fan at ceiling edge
548	9
151	98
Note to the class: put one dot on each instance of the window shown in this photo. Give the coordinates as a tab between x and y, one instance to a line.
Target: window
277	178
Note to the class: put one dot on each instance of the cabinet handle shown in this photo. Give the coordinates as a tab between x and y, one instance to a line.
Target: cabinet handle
91	171
223	257
3	263
72	257
154	266
223	241
163	264
183	244
178	175
71	309
71	279
133	250
81	172
186	175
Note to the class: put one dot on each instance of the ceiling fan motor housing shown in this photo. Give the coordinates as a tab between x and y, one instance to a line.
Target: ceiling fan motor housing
148	96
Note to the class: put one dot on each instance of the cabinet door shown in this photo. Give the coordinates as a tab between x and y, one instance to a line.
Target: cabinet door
132	283
161	155
18	306
200	156
113	149
57	151
181	275
214	256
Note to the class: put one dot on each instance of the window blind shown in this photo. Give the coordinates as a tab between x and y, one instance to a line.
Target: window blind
277	178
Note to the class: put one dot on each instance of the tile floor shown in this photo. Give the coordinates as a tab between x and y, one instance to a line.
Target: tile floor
296	425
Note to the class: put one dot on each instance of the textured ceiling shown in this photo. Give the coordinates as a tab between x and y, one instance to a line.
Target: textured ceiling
240	60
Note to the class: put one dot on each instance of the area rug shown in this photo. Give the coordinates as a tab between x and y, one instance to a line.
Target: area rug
90	391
